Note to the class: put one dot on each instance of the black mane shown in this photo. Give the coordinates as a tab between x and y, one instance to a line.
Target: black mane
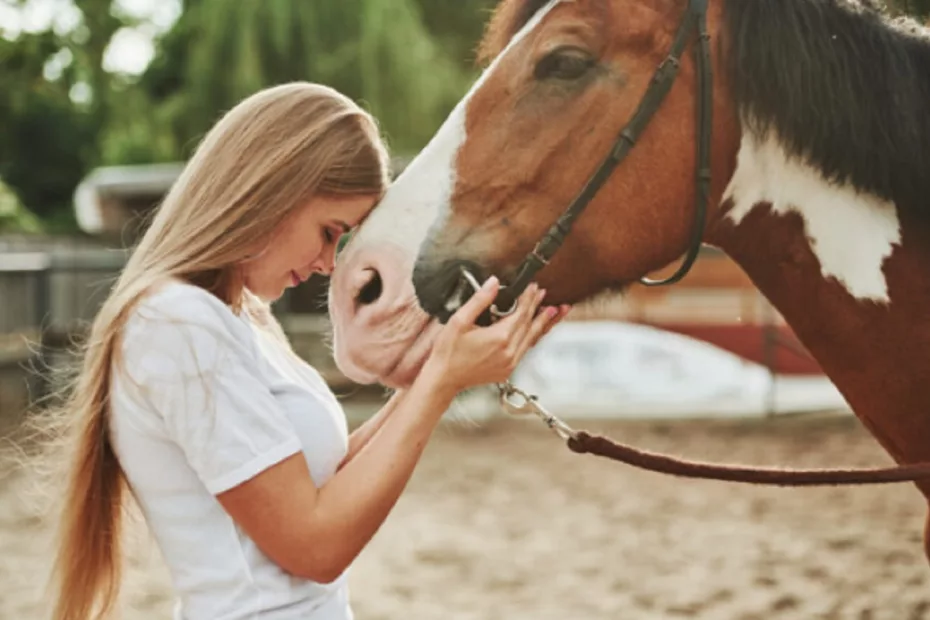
842	85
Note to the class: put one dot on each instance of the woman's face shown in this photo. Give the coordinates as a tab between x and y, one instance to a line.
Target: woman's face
304	244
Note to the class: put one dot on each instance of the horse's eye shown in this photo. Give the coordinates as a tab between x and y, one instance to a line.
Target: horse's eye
564	64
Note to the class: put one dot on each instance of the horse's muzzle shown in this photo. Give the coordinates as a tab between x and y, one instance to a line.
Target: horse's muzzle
444	288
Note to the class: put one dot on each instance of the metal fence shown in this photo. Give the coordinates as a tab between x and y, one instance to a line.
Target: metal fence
48	299
53	290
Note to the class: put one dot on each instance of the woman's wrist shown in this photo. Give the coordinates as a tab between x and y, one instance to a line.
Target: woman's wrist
433	380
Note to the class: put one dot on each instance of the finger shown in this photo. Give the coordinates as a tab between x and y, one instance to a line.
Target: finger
539	325
506	323
505	334
555	316
522	318
530	304
469	312
563	311
526	306
535	330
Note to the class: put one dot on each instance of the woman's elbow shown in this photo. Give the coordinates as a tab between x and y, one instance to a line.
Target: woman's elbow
323	568
326	575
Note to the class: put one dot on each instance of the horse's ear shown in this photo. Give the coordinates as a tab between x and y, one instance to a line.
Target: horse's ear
508	18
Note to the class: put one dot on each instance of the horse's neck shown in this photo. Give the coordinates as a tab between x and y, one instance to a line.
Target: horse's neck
850	278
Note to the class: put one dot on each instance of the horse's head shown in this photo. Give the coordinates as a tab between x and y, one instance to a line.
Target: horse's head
566	78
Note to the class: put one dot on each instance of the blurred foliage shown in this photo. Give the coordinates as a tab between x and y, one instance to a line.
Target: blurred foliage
381	54
47	139
918	8
62	113
14	217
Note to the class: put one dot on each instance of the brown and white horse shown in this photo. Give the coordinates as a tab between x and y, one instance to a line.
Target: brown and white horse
820	185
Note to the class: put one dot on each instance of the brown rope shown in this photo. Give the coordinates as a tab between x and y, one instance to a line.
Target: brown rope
584	443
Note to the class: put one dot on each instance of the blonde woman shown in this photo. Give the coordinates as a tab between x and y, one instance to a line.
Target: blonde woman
191	399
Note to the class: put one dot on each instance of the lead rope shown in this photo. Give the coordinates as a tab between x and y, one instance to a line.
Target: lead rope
518	403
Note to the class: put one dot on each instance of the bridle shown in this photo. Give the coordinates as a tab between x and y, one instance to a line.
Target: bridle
695	18
517	402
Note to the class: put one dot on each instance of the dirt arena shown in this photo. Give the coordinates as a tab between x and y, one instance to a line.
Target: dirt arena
502	522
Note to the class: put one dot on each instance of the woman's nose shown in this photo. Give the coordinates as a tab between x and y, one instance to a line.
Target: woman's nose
329	260
326	263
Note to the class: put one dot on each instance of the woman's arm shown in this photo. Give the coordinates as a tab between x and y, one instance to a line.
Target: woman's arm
363	434
317	533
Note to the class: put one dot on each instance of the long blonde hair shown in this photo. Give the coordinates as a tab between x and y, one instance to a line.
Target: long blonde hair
268	155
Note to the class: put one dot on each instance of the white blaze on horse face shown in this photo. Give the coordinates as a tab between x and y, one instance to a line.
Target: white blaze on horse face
420	196
850	233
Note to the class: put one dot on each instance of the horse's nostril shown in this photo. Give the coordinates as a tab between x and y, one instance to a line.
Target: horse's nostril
371	291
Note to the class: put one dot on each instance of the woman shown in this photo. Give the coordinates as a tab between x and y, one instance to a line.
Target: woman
190	396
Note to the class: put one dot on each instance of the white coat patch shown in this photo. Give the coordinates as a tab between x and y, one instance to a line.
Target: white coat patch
850	233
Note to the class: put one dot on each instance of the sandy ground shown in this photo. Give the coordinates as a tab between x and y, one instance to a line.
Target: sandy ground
503	522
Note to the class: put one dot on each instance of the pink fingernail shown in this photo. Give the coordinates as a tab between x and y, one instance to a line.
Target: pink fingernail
551	311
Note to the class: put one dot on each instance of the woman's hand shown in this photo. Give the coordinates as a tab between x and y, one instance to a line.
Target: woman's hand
465	355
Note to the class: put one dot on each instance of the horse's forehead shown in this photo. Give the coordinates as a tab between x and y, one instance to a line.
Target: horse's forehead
531	24
422	193
492	75
466	107
509	19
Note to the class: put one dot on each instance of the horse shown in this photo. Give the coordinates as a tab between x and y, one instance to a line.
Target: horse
606	139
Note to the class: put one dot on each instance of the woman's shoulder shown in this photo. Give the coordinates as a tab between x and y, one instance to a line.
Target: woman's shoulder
176	300
175	306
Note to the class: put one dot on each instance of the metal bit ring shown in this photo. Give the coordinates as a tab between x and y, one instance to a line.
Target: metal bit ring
470	278
496	312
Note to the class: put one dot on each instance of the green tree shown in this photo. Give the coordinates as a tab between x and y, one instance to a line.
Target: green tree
48	141
54	105
458	26
14	217
379	53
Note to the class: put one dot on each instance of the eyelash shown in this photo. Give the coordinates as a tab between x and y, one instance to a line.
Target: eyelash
328	233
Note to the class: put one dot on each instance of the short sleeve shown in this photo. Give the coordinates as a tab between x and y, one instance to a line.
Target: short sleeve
192	363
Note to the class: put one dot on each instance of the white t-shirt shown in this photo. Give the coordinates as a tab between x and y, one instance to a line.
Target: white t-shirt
212	401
